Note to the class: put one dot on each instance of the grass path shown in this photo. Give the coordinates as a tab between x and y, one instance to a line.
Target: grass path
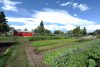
18	57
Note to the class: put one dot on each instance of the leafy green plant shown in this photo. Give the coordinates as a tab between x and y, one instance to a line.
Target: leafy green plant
76	56
36	38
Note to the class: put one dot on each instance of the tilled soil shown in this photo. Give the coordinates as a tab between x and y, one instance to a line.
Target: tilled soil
35	60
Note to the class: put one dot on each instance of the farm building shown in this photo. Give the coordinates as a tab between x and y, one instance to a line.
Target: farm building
23	33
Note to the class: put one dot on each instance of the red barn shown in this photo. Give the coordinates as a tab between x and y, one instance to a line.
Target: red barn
23	33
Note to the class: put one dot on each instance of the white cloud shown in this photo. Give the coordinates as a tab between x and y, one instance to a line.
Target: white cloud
82	7
65	4
29	23
10	5
75	5
52	16
59	16
55	27
93	27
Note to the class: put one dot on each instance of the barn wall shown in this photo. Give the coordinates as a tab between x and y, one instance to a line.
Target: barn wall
23	34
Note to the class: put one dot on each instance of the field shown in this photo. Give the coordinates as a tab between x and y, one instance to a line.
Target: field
45	45
77	55
12	54
50	52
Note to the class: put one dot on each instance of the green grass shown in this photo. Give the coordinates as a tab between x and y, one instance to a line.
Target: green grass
37	38
50	44
76	55
14	56
6	39
4	57
18	58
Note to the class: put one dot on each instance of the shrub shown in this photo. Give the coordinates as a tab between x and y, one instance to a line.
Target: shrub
98	36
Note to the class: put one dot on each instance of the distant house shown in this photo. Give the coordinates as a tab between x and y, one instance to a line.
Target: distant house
23	33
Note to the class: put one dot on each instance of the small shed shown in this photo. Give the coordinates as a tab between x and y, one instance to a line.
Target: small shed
23	33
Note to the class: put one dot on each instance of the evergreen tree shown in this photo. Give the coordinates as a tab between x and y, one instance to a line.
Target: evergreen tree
84	31
25	29
41	28
3	19
4	27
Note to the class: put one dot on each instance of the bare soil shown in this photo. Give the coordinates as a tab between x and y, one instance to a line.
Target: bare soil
35	60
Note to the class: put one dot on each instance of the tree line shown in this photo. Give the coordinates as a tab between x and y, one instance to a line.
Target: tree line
75	32
41	30
78	32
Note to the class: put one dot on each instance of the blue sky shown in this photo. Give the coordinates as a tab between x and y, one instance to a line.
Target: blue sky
56	14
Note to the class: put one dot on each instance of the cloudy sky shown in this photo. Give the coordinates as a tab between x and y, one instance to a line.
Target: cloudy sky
56	14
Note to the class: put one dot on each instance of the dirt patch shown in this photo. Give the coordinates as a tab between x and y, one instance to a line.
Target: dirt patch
35	60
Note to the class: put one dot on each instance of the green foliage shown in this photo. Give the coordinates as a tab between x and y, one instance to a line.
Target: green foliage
45	45
79	55
6	39
52	42
77	32
4	57
48	32
58	32
40	29
18	57
84	39
98	36
36	38
84	31
4	27
92	63
97	31
70	33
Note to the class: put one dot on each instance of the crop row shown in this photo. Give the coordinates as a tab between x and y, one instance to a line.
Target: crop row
85	54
